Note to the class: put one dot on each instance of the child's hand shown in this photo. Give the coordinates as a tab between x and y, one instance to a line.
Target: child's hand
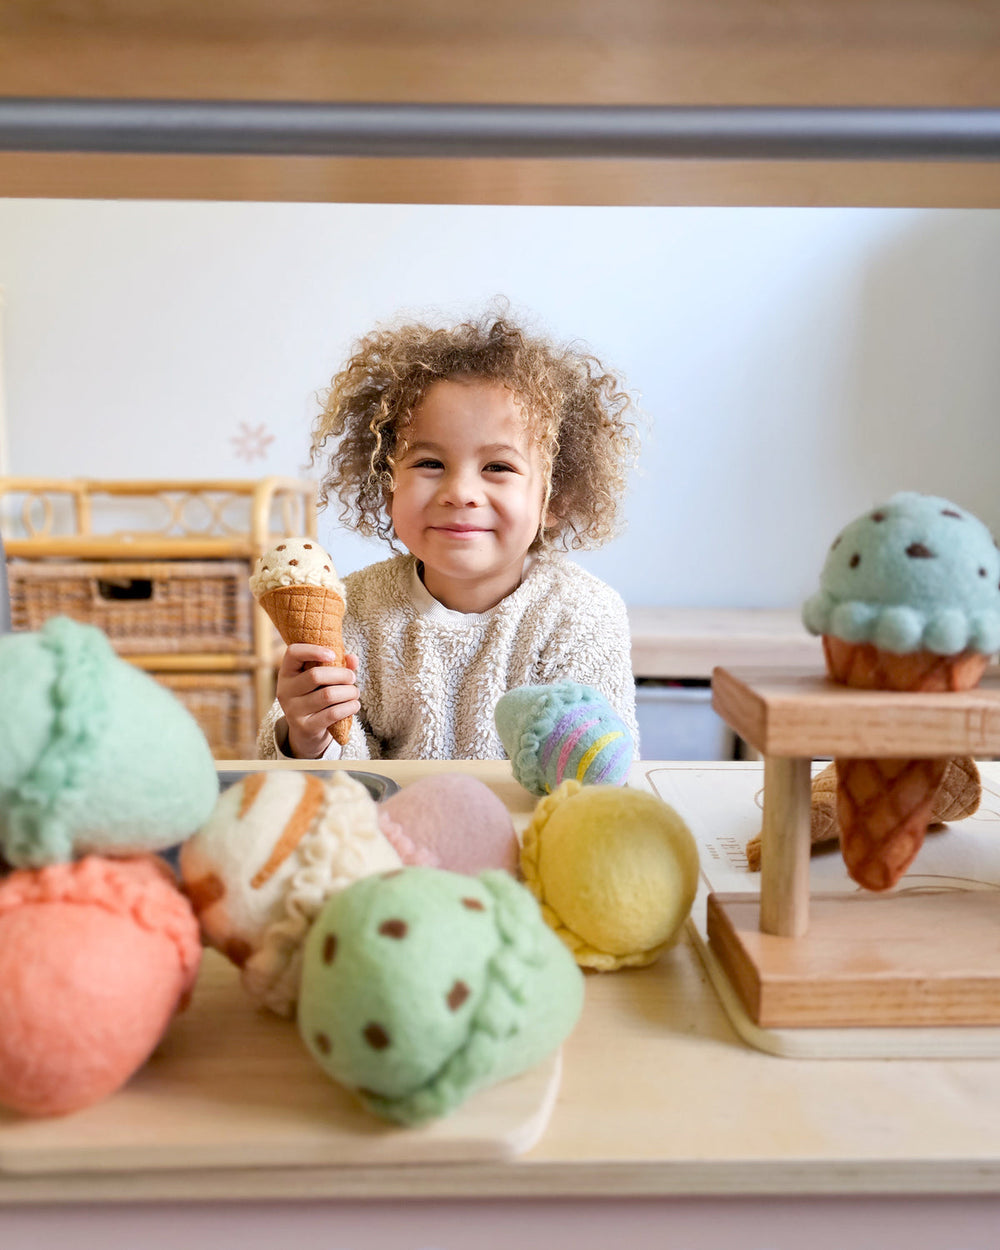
314	694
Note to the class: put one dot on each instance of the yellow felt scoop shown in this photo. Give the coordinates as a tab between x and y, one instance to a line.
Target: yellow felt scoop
614	869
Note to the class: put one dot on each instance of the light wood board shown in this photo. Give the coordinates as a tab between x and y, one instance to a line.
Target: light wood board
665	1089
233	1086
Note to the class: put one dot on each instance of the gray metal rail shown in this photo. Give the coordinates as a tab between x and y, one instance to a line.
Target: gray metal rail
263	128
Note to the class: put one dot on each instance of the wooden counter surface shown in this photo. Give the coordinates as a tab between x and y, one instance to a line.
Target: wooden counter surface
659	1096
690	642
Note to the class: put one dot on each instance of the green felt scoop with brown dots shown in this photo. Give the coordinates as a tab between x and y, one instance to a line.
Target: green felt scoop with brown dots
421	986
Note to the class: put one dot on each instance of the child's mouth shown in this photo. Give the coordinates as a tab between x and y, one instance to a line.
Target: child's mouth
458	531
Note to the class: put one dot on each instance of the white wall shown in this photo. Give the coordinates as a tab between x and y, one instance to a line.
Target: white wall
797	365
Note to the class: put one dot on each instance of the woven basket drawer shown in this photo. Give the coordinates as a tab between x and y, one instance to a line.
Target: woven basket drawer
154	606
223	705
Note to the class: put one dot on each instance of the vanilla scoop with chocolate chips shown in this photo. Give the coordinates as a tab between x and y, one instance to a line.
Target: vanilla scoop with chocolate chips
294	562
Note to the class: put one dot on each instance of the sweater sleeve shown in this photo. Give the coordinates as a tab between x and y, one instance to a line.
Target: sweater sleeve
592	644
272	740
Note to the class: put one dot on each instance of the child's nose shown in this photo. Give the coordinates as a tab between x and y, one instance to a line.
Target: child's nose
461	488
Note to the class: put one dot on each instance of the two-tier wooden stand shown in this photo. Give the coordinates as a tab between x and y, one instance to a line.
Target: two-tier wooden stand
901	958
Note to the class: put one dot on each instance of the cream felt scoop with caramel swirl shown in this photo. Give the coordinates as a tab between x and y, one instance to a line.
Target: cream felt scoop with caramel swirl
277	845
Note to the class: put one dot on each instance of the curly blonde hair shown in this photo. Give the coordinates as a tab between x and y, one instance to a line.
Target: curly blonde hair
575	411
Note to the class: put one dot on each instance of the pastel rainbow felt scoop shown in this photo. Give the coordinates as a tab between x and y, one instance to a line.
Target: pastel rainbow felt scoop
277	845
563	730
298	587
95	958
421	987
909	600
95	756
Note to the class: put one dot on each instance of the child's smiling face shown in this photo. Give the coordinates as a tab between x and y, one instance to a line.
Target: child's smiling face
470	489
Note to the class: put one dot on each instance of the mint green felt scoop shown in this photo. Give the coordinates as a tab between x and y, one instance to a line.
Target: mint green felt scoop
422	986
95	756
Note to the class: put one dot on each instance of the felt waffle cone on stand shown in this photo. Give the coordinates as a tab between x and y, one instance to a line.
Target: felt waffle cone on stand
957	797
310	614
885	805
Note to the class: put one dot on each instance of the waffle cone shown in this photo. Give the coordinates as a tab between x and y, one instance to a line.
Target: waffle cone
956	797
883	808
310	614
867	667
885	805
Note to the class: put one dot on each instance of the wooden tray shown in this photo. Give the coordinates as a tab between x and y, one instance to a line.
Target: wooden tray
233	1086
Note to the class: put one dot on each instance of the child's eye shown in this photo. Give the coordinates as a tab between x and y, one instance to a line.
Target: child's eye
427	464
499	467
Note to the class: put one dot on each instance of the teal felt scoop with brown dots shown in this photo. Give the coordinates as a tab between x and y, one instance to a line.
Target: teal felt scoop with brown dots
421	986
916	573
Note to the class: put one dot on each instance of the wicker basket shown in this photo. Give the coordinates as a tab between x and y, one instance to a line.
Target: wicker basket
149	607
223	705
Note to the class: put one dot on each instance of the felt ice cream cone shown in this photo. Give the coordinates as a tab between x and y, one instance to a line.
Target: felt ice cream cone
297	586
422	986
909	602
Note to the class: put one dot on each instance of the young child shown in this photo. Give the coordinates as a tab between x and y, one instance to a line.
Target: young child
482	450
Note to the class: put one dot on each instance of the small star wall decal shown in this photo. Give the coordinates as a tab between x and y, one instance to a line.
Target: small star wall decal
252	441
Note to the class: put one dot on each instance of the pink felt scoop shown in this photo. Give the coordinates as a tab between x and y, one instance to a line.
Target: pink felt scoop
452	821
95	958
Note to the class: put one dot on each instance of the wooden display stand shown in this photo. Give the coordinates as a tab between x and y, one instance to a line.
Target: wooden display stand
866	959
162	566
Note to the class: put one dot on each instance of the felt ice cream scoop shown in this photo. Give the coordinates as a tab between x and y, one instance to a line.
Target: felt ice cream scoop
563	730
614	869
95	958
421	987
909	600
260	869
297	585
453	821
95	756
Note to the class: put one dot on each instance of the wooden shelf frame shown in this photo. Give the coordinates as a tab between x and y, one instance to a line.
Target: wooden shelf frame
181	519
815	53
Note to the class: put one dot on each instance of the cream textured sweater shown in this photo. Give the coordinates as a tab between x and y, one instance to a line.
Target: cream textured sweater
430	677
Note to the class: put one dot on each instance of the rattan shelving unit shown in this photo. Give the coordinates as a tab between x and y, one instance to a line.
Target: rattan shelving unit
162	567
